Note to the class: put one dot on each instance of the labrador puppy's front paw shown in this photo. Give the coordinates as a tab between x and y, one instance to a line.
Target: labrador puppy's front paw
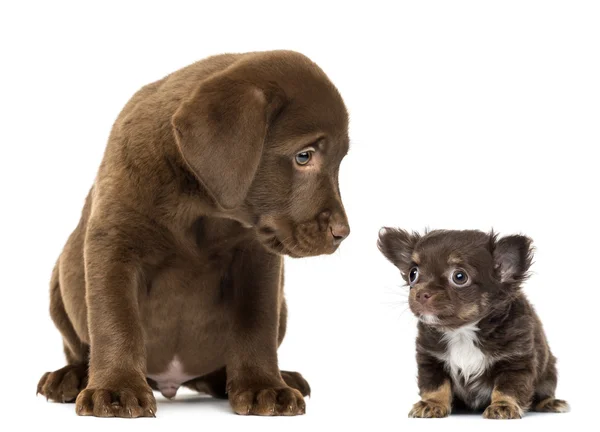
428	409
503	410
117	401
273	401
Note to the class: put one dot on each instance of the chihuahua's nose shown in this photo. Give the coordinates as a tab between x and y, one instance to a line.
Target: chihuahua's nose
423	296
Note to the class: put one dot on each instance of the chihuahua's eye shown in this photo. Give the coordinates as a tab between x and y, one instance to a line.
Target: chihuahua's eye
413	275
460	277
303	158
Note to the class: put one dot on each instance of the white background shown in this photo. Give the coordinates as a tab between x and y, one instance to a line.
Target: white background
463	115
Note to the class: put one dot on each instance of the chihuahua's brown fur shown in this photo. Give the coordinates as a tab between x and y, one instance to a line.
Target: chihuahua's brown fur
480	343
174	275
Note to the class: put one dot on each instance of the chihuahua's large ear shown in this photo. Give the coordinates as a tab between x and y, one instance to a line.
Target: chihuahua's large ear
397	245
513	256
220	131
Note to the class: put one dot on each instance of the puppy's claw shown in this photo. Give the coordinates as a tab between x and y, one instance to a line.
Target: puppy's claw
275	401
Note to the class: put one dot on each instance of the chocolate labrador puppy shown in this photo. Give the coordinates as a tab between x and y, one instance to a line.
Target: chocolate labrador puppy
174	275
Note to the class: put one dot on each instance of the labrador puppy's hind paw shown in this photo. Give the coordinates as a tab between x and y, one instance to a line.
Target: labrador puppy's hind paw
297	381
63	385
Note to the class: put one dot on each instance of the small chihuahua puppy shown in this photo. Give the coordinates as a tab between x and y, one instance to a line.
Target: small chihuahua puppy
480	343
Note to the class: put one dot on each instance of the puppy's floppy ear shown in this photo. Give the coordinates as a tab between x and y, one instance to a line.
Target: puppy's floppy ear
397	246
513	256
220	131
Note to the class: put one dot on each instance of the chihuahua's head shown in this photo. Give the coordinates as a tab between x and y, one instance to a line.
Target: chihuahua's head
457	277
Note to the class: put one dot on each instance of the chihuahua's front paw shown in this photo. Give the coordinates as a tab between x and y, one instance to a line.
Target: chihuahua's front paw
117	401
503	410
269	401
429	409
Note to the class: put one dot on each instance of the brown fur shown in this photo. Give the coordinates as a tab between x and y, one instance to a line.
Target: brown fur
519	370
179	248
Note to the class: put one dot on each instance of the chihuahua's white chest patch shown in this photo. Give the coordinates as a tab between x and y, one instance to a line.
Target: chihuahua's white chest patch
463	356
169	381
466	363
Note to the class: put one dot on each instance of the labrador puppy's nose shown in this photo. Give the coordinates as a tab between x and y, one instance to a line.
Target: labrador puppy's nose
339	231
336	224
423	297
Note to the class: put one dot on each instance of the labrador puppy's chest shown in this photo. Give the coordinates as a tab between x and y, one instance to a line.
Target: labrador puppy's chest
468	364
185	307
185	318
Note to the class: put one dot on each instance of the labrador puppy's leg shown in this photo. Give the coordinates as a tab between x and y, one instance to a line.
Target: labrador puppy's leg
254	383
215	382
292	379
63	385
117	378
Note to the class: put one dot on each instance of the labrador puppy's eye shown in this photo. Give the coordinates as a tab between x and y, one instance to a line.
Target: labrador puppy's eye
303	157
460	277
413	275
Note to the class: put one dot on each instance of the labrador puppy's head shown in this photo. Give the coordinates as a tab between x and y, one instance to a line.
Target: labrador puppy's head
267	135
